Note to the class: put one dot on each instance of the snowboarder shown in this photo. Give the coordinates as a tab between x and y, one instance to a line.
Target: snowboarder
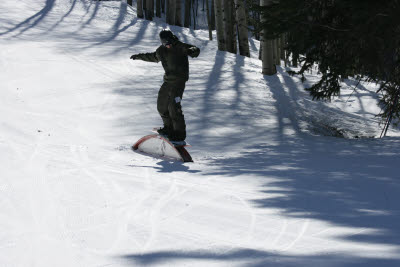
173	55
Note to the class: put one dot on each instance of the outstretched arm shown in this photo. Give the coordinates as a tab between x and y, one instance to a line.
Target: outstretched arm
149	57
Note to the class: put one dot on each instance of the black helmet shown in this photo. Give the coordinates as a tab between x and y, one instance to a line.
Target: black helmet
166	37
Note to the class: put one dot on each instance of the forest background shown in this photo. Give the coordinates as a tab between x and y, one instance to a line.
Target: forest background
340	39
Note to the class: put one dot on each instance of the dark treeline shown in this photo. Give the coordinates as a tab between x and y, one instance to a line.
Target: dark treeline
228	17
358	38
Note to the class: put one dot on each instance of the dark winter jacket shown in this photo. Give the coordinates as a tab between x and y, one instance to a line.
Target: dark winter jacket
174	60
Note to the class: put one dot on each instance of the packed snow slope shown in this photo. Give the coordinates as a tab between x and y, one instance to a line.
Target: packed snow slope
278	180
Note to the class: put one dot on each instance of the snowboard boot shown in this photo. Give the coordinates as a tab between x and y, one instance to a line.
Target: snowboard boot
166	131
175	137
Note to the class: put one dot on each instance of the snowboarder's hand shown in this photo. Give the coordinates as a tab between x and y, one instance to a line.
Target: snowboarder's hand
193	51
133	57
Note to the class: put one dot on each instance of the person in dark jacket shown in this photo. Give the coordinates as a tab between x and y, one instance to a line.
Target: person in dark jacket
173	55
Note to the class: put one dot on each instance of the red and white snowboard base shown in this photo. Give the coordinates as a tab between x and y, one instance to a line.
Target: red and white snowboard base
157	145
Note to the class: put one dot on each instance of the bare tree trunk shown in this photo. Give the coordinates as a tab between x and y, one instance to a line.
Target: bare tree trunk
208	20
166	10
140	9
282	54
178	13
254	17
279	43
243	33
147	9
188	4
219	25
194	6
212	15
150	9
197	7
163	6
276	44
229	25
268	66
158	8
234	29
171	12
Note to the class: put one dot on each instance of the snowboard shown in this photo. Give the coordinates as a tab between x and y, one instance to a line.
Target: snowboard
158	145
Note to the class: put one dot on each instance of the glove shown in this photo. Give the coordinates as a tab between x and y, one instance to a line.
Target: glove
193	51
133	57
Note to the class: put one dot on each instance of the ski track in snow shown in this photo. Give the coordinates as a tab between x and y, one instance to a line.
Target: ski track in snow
72	193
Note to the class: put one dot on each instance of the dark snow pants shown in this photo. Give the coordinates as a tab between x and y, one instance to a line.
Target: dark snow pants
170	109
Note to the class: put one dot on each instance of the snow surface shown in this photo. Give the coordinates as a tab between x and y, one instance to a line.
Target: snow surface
271	185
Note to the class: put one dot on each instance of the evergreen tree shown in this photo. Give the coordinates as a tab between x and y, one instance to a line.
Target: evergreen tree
358	38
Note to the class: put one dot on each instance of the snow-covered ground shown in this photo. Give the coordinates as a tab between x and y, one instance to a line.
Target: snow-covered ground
270	185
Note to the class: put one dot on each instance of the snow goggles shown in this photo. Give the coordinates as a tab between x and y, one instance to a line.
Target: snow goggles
165	42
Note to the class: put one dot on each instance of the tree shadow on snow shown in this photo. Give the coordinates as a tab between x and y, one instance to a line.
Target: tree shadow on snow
359	91
248	257
88	40
318	117
220	110
32	21
353	183
345	182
